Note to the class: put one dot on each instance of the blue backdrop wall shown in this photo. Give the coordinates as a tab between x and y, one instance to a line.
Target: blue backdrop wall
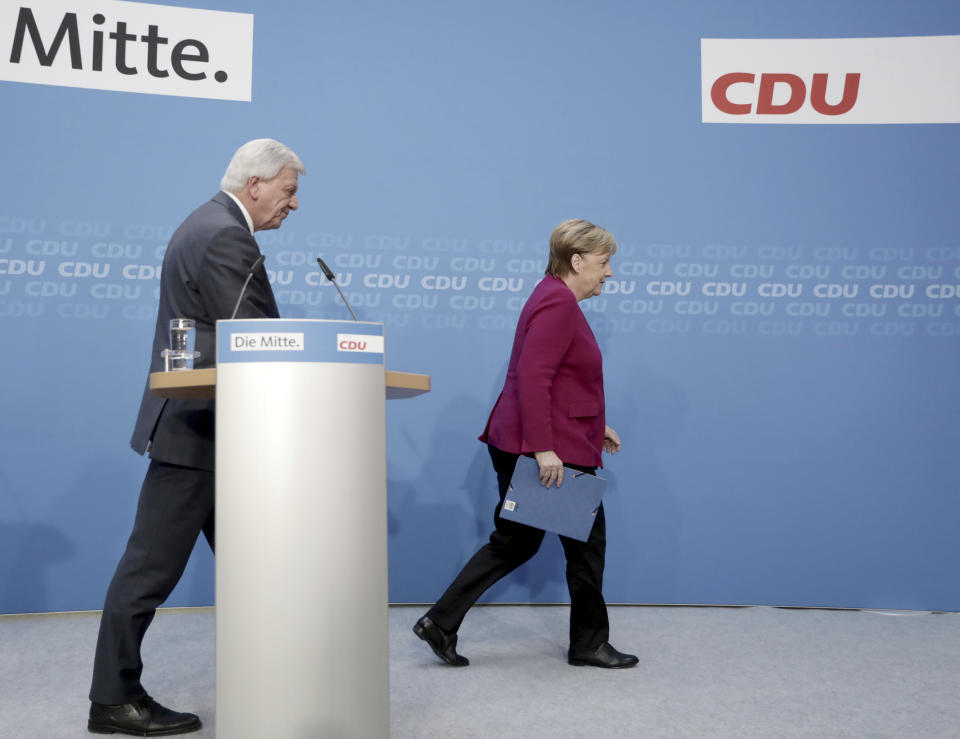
780	335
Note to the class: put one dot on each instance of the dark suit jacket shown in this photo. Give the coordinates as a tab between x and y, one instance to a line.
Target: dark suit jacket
206	262
553	394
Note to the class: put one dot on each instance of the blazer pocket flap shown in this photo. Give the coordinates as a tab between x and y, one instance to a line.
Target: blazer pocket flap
584	409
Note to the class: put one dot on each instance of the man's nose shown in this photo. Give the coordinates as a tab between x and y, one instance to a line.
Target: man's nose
294	203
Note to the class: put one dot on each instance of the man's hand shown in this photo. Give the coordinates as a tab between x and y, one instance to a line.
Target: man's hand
551	468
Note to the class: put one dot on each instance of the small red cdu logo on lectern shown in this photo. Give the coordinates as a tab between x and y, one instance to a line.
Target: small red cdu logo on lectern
366	343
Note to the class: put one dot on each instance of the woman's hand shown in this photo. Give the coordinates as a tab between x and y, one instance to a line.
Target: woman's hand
551	468
611	442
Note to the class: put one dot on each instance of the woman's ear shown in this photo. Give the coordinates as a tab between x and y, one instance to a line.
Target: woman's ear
576	262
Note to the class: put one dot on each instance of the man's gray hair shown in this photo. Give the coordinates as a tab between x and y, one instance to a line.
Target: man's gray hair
263	158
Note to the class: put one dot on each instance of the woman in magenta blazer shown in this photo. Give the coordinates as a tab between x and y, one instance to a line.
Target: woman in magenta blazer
551	408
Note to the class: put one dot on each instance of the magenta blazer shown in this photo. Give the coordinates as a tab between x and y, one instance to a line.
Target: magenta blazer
553	394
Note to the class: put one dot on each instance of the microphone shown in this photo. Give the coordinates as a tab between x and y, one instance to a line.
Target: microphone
328	273
254	268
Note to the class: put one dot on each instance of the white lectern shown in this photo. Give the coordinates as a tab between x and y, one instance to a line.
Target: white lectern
301	527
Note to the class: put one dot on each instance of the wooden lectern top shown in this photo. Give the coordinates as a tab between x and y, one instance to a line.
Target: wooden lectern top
202	383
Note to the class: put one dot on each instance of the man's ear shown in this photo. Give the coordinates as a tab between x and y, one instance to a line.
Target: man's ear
253	187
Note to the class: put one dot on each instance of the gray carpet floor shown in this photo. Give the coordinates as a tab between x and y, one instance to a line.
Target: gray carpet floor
703	672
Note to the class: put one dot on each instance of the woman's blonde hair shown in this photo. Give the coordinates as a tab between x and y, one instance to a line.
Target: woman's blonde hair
576	236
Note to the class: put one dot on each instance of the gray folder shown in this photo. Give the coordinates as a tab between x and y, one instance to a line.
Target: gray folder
569	510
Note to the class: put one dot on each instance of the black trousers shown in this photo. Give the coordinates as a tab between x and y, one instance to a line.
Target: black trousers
511	544
176	504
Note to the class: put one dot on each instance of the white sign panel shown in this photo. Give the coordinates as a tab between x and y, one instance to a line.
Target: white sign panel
266	342
128	47
910	79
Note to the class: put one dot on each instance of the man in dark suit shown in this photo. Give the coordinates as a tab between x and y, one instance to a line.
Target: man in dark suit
204	268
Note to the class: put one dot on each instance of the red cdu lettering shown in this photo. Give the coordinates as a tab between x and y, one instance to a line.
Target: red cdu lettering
818	94
767	88
768	82
718	93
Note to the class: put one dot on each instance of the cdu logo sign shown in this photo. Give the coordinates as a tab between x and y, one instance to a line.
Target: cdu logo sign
360	343
128	47
766	89
866	80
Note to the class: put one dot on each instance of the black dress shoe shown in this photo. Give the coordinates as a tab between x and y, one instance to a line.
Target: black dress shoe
444	645
603	656
142	717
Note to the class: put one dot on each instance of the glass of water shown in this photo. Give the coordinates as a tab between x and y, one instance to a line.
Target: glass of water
183	339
